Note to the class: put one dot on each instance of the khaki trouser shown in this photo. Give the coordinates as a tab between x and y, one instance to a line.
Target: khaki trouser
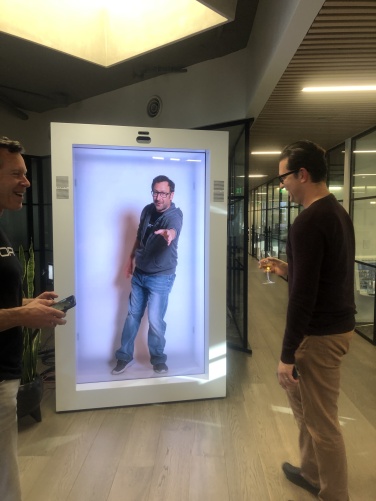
314	404
9	476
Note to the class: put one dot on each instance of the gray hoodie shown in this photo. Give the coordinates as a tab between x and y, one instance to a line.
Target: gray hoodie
155	257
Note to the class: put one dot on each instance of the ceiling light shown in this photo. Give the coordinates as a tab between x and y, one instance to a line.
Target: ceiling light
265	152
364	151
106	32
340	88
258	175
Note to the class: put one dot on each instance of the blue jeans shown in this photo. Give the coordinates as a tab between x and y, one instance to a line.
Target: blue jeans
153	291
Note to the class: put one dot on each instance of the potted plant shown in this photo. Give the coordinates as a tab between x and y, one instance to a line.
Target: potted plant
31	388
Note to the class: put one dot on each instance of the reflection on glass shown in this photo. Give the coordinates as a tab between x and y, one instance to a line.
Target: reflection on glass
364	175
336	161
364	217
365	272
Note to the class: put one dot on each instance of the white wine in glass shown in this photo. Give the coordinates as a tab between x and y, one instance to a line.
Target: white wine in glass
266	267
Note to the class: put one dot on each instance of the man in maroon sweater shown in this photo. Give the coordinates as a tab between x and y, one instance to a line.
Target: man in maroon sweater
320	319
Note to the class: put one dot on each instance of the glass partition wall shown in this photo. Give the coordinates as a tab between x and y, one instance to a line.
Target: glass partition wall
237	240
363	209
271	214
238	236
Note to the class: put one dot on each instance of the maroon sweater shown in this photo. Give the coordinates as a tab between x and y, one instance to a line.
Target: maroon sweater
320	254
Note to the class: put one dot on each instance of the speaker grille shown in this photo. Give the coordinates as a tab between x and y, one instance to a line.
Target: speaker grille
154	106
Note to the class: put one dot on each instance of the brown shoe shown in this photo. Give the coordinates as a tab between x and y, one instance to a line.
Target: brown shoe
293	474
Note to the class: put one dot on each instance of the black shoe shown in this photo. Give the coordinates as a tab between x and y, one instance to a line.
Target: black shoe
160	368
121	365
293	474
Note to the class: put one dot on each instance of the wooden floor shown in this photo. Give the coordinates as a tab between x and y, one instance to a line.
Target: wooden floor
214	450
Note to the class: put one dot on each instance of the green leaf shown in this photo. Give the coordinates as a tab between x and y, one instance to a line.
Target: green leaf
31	337
30	272
22	259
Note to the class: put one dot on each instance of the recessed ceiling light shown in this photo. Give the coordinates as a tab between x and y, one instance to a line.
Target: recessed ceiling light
340	88
258	175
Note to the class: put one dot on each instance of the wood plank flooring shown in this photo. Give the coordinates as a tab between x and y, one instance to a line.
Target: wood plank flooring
227	449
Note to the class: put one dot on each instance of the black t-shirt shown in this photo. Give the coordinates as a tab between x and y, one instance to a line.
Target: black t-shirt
150	228
11	341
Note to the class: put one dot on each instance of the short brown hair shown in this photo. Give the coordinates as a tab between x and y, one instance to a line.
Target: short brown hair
10	145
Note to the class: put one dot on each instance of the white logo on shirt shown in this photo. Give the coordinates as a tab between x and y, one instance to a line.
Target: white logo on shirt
6	252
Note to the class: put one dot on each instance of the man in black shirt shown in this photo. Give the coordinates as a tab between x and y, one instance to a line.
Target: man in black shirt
320	319
15	312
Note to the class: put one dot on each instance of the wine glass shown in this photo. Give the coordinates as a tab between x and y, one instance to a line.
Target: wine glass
266	266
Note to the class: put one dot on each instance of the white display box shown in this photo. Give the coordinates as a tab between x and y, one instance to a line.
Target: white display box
101	181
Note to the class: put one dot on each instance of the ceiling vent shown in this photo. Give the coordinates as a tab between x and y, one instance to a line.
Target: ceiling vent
154	106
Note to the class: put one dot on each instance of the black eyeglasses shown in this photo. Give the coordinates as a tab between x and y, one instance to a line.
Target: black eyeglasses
282	176
162	194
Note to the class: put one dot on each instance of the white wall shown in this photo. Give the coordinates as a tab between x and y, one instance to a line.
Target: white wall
209	93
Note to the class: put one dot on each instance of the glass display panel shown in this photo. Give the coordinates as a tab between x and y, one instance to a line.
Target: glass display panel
106	223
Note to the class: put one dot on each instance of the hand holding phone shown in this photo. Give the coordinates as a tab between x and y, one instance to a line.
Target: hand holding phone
65	304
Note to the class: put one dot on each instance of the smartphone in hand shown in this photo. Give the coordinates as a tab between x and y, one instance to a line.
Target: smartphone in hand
65	304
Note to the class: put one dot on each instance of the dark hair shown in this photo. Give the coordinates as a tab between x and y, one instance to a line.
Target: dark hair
161	179
308	155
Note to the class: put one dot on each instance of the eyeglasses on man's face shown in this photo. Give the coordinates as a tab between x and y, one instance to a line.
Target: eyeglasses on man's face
162	194
282	176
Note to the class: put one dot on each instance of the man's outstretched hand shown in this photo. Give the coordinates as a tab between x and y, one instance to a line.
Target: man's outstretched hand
168	235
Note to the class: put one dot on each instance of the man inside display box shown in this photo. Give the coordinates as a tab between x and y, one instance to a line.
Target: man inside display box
154	255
